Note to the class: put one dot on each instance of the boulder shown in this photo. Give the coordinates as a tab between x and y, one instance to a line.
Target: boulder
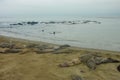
32	23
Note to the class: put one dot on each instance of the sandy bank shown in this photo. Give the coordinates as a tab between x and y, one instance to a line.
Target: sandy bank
28	64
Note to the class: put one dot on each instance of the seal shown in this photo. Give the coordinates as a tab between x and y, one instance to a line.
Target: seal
118	68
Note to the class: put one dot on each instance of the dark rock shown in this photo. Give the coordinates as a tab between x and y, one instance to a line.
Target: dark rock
32	23
118	68
13	24
52	22
87	21
7	45
76	77
19	23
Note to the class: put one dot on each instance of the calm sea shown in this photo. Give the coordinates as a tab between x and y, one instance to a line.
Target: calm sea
90	35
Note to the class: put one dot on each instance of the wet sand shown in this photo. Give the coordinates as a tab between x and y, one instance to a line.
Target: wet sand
29	65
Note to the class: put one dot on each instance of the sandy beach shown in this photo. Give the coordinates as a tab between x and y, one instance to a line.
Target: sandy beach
26	62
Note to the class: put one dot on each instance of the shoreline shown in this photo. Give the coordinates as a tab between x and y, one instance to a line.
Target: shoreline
41	42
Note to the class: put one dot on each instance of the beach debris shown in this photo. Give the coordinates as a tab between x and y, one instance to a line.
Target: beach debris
90	60
7	45
76	77
118	68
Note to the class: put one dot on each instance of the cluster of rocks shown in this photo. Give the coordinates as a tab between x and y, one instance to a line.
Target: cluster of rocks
17	24
71	22
60	22
32	23
57	22
90	60
88	21
26	23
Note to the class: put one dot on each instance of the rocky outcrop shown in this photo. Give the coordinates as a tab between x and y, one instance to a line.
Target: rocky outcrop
32	23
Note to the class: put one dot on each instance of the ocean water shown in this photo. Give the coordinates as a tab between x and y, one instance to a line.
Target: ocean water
90	35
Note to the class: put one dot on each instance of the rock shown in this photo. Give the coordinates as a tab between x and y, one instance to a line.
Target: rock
32	23
76	77
118	68
19	23
7	45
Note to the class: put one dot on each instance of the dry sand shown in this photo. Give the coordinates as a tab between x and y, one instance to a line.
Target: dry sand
33	66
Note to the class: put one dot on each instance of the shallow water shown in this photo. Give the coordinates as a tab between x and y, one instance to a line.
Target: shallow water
98	36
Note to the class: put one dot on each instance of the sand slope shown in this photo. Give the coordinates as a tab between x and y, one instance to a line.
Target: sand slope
32	66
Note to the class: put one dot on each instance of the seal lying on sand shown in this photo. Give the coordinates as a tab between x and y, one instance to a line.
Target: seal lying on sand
90	60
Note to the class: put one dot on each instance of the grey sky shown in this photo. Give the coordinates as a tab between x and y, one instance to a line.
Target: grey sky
59	7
